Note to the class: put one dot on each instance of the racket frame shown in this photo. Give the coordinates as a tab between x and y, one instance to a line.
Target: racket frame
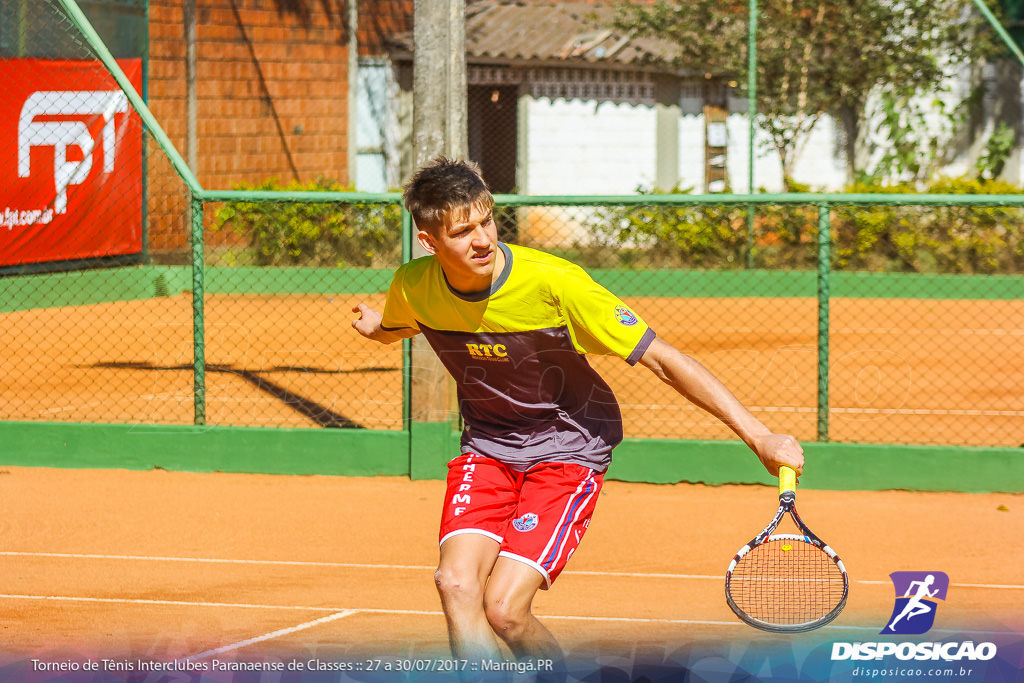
787	505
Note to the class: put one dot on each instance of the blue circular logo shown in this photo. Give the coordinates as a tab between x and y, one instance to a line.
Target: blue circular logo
527	522
625	316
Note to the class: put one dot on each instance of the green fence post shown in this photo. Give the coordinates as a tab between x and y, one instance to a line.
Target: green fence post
824	271
407	343
1006	37
751	114
198	325
22	28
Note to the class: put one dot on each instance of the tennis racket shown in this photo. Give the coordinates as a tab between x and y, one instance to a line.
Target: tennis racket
786	583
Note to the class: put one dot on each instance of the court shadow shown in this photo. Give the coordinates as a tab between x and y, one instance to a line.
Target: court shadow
319	414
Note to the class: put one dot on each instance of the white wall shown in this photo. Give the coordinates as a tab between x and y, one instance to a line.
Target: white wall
589	147
820	164
593	147
380	132
691	152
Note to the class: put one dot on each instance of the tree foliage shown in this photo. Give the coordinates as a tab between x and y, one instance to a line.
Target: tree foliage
866	237
818	57
327	234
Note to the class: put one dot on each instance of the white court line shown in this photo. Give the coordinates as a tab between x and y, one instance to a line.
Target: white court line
980	332
270	636
167	603
212	560
810	410
415	567
938	331
964	412
339	612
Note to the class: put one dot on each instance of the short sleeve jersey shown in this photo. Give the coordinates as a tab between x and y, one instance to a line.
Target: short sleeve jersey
518	351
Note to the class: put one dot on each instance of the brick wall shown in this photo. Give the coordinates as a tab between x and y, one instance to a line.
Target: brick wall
379	19
272	98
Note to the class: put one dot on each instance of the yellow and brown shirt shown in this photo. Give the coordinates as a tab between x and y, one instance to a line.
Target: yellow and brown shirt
518	355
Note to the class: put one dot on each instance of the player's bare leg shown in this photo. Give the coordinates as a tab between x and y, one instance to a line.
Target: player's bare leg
508	603
461	577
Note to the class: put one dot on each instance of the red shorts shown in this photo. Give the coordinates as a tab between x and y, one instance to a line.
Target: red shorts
538	516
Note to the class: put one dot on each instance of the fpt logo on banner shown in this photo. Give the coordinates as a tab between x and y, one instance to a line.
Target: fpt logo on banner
72	184
48	120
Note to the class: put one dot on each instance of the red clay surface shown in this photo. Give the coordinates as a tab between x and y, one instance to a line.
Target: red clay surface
902	371
161	565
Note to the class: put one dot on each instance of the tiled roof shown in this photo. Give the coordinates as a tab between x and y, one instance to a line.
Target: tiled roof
549	33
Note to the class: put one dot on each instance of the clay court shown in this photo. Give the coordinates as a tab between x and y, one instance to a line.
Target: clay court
168	565
903	371
174	566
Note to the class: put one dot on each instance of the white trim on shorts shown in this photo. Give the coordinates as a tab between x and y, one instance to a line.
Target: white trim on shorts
555	548
530	563
488	534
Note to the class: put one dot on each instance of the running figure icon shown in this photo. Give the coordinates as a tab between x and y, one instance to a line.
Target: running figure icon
916	596
916	606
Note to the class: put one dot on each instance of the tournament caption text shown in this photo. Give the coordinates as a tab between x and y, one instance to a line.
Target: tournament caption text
401	665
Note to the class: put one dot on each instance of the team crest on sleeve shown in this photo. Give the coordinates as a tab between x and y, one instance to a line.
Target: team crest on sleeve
527	522
625	316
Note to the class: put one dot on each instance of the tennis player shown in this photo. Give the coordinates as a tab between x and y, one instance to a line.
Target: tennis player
513	326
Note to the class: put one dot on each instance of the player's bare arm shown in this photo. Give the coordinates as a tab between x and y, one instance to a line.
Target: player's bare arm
368	325
698	385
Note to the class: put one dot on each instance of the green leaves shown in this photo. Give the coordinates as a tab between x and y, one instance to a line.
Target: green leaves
879	238
291	233
996	152
818	57
949	239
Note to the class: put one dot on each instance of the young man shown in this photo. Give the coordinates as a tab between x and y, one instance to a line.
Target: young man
512	325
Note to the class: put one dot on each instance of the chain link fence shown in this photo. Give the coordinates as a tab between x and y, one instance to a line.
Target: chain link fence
85	192
282	279
903	326
886	319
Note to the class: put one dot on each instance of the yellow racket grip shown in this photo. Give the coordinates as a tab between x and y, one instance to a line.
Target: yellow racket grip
787	479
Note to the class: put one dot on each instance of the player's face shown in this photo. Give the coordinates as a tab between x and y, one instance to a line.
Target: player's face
467	250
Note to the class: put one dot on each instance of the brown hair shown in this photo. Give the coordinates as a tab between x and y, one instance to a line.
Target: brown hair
445	191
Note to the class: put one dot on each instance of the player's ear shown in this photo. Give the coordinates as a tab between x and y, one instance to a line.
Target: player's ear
426	241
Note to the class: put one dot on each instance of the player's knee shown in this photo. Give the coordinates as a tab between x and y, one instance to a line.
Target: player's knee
508	621
456	586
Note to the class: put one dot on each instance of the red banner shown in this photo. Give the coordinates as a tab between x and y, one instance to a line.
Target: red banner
70	162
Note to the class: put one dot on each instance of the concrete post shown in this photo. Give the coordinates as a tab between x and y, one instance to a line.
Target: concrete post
439	128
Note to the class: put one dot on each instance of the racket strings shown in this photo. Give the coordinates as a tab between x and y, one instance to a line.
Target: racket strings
787	581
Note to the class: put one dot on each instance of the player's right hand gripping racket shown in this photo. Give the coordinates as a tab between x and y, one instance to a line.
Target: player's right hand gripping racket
786	583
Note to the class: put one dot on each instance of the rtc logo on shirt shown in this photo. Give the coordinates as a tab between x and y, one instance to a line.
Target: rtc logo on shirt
488	351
